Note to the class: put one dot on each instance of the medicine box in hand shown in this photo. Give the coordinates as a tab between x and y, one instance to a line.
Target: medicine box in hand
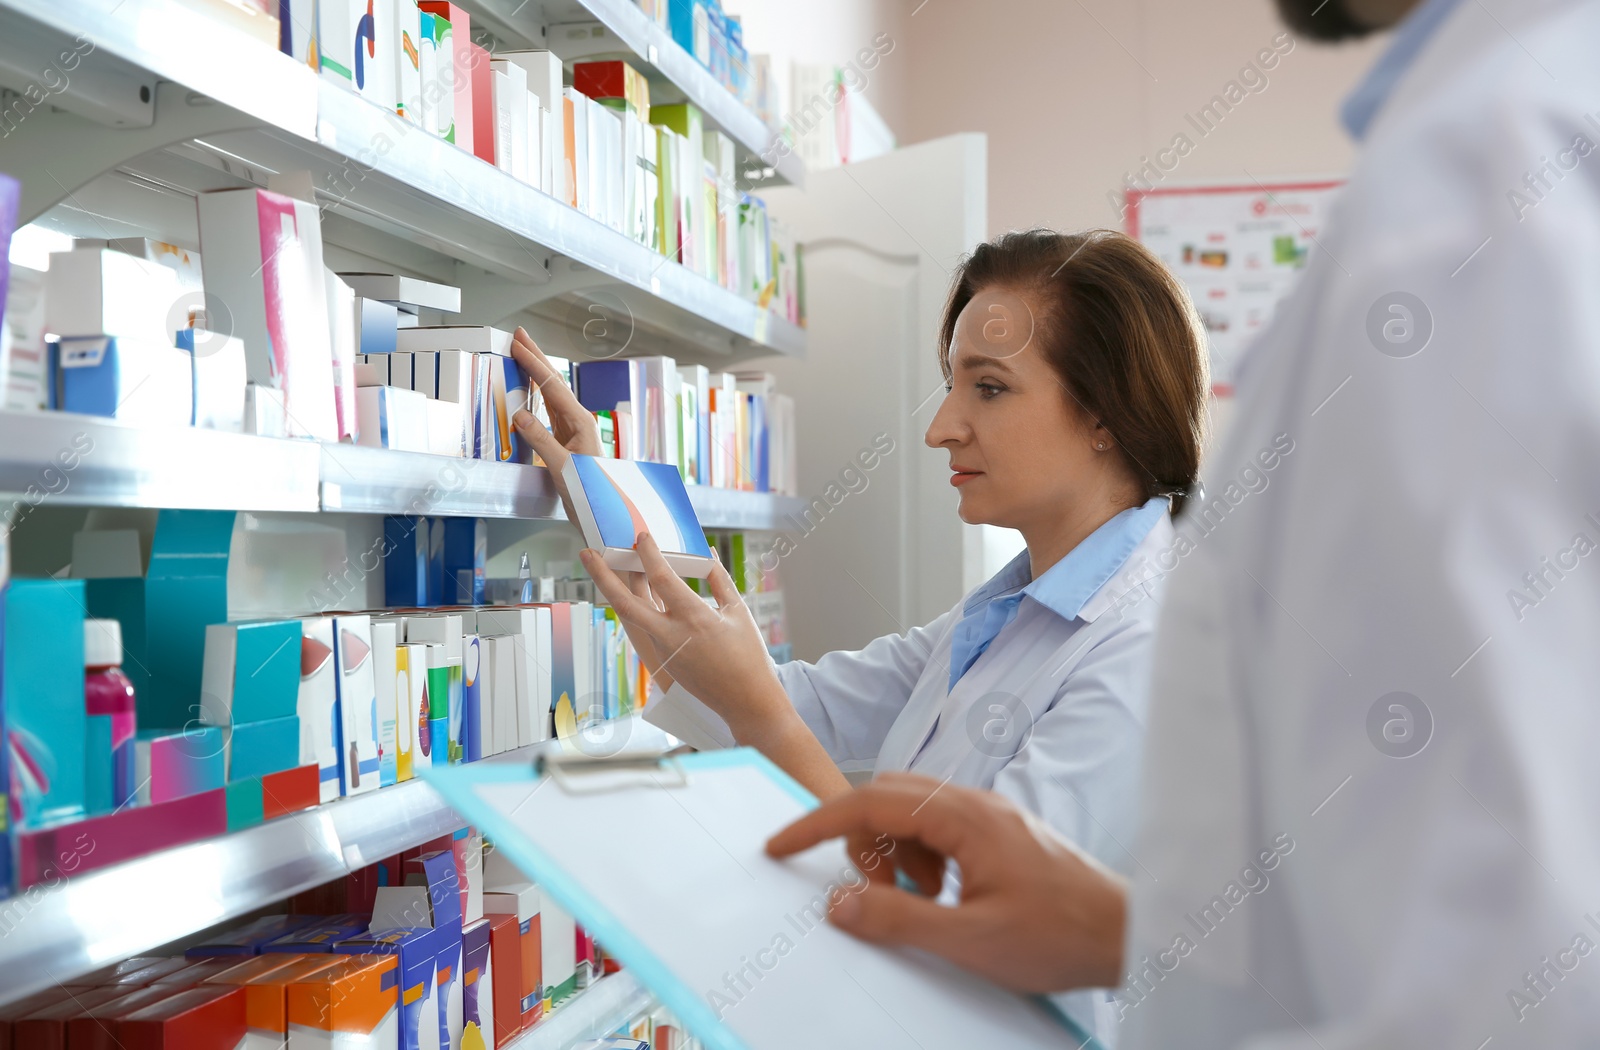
616	499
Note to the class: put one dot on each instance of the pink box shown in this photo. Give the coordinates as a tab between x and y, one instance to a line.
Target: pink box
261	256
51	854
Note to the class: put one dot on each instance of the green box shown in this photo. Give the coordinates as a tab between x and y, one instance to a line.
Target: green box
244	803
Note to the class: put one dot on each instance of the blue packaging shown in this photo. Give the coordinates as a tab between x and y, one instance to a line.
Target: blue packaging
379	322
256	749
465	561
405	561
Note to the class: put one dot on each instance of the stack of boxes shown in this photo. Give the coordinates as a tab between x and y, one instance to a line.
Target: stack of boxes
722	429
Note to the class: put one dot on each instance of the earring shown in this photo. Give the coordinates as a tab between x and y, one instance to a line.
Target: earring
1101	445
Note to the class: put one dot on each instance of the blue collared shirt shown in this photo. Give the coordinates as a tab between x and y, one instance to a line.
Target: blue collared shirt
1363	104
1063	588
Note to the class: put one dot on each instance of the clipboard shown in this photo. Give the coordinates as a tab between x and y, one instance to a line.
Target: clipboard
662	860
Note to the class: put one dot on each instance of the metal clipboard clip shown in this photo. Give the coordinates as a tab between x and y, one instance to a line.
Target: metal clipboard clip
579	773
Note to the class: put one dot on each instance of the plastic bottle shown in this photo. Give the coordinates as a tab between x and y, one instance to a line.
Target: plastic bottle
108	693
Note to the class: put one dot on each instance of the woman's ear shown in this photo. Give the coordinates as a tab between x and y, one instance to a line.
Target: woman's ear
1101	437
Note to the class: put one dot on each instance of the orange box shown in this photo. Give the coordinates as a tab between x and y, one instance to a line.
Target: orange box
289	791
358	996
265	981
210	1017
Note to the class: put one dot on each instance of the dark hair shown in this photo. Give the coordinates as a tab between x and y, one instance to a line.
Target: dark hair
1120	331
1327	20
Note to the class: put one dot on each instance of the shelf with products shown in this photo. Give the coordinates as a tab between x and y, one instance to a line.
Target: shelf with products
127	147
672	70
609	1004
63	928
59	457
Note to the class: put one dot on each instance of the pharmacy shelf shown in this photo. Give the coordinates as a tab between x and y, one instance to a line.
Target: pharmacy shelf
514	247
663	60
67	459
54	934
599	1010
63	458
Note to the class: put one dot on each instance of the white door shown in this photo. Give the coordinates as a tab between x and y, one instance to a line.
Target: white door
881	549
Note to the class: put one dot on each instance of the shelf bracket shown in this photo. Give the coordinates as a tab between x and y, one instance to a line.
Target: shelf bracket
54	152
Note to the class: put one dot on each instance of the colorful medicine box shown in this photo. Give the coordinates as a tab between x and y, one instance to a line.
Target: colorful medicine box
256	749
477	985
505	953
353	1003
417	951
261	253
98	842
385	683
319	937
290	791
318	704
520	903
265	981
251	672
246	805
210	1017
43	696
172	765
144	382
250	938
358	704
405	562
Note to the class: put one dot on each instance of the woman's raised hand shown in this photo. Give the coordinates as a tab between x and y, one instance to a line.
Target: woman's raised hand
572	427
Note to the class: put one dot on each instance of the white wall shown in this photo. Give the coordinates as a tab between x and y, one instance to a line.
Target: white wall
831	32
1074	95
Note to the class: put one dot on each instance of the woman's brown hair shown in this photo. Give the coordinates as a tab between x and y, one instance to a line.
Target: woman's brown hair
1121	333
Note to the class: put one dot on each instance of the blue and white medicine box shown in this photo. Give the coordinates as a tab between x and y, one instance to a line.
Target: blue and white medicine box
140	381
616	499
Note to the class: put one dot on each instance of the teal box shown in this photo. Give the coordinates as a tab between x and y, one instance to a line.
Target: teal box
43	693
186	590
164	615
251	672
256	749
99	766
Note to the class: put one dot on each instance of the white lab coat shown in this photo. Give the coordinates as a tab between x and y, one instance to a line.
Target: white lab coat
1051	716
1408	898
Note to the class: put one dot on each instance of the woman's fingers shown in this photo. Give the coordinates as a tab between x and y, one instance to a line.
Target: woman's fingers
669	588
572	422
544	443
722	586
629	606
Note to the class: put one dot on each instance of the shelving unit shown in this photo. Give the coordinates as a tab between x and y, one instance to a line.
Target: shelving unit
664	62
201	106
121	466
598	1010
166	103
52	935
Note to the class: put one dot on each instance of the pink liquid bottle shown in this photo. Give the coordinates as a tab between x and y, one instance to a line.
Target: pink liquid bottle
107	693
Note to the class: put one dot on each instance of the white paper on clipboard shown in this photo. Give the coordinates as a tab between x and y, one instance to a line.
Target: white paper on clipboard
674	881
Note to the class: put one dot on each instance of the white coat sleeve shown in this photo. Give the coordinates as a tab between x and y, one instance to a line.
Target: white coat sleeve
848	699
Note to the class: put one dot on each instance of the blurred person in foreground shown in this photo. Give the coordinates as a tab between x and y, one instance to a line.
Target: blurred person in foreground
1371	801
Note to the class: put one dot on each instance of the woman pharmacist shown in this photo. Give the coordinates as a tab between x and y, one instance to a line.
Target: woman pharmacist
1076	382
